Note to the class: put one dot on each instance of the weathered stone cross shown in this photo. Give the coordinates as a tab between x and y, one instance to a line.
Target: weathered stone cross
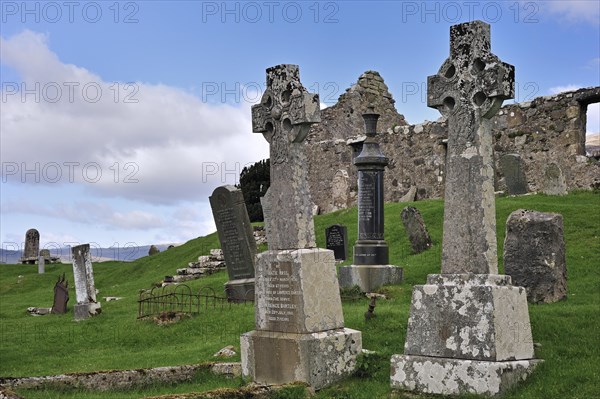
284	117
469	89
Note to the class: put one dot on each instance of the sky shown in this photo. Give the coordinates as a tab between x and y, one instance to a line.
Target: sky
119	118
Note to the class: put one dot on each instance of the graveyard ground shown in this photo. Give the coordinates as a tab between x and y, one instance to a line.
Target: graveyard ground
567	333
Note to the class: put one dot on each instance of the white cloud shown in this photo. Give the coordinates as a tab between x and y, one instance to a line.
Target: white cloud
560	89
171	145
573	11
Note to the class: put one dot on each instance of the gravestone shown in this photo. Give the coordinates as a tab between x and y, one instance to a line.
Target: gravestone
554	181
300	334
61	296
514	175
237	241
85	290
32	247
48	257
265	203
41	264
415	229
339	190
469	329
336	239
370	268
534	254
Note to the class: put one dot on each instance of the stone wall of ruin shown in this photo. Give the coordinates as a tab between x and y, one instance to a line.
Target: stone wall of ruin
544	131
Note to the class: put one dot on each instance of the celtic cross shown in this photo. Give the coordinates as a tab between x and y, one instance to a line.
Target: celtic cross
469	90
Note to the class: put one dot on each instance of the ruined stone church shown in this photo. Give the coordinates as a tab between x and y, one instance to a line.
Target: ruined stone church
544	139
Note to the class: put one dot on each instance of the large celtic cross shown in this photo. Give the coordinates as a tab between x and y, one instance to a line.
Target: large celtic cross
284	116
469	90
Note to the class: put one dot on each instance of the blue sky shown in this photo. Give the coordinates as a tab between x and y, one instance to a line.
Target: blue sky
120	118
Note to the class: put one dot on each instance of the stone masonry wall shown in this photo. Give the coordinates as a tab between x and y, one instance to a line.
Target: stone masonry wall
546	130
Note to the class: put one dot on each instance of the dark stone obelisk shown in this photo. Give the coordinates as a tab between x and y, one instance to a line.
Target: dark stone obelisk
371	256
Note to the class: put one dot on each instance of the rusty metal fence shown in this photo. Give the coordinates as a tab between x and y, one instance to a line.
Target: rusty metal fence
180	298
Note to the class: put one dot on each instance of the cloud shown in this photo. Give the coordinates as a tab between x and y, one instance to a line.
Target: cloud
146	142
574	11
560	89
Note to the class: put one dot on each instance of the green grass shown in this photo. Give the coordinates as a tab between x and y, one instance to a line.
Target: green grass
568	331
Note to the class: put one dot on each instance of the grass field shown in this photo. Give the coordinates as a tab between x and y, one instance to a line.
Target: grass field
568	332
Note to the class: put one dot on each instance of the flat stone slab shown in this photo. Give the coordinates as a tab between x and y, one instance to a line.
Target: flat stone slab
446	376
318	359
370	277
467	316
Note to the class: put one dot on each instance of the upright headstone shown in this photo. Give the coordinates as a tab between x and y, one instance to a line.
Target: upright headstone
32	247
469	329
265	203
554	180
339	190
514	175
415	229
61	296
85	290
370	268
41	264
336	239
300	334
237	241
534	254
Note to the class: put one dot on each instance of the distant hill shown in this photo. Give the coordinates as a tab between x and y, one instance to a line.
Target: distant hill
98	254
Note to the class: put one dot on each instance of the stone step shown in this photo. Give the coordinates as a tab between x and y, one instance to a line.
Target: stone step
191	270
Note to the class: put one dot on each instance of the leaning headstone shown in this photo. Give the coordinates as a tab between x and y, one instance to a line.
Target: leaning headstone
514	175
300	334
469	330
534	254
85	290
554	181
370	268
41	264
61	296
336	239
32	247
265	203
415	229
237	241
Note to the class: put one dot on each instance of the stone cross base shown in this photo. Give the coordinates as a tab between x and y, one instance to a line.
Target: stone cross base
300	334
318	359
446	376
240	290
82	311
370	277
469	316
466	333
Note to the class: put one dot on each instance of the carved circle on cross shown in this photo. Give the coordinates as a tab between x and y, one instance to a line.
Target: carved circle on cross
470	83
